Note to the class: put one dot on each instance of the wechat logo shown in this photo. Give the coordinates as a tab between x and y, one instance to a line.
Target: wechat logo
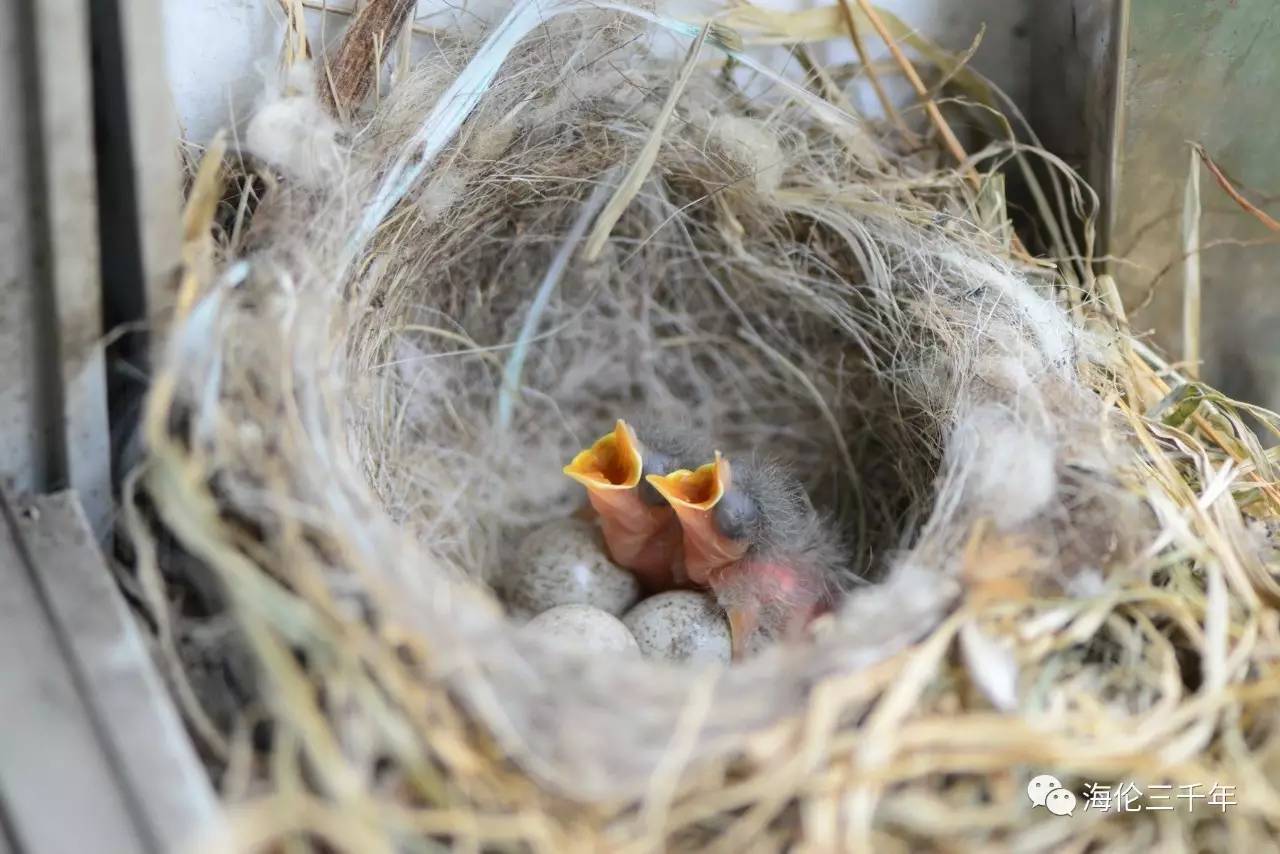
1046	791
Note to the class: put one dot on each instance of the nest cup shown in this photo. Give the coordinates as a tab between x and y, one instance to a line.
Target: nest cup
368	400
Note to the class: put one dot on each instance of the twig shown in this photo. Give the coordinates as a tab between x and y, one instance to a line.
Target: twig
948	136
860	46
1149	292
1249	207
935	115
1191	269
296	46
326	8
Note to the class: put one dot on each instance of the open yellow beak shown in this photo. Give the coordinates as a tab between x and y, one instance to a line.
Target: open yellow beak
694	495
642	538
612	462
697	491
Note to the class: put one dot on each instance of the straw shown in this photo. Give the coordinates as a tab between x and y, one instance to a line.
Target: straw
1066	546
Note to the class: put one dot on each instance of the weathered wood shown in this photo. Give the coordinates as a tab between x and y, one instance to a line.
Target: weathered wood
139	186
58	788
93	756
1076	82
1123	87
156	172
53	431
140	729
69	262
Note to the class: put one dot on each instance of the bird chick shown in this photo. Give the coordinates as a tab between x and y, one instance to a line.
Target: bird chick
641	532
751	534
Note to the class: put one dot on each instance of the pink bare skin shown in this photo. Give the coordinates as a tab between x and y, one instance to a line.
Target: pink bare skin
753	538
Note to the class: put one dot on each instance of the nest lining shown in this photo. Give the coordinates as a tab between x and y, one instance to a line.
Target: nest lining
327	434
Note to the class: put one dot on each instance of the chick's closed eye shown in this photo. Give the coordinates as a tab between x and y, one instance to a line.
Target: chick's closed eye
736	515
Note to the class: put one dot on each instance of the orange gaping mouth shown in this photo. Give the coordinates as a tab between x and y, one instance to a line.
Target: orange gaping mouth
700	489
693	496
612	462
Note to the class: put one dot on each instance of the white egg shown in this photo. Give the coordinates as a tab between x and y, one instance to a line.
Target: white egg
682	626
583	628
564	563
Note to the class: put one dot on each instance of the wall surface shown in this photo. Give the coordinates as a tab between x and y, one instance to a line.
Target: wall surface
220	52
53	408
1206	71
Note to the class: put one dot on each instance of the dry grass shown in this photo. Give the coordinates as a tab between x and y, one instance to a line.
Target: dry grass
365	403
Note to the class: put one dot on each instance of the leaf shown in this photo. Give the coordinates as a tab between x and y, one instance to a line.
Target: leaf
1178	405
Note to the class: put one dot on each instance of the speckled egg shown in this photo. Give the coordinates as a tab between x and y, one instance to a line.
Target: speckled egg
681	626
584	628
564	563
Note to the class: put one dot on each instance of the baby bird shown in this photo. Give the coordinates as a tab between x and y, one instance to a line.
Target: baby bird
641	532
751	534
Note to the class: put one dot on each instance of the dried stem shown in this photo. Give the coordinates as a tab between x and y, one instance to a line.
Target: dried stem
949	138
1249	207
864	57
368	39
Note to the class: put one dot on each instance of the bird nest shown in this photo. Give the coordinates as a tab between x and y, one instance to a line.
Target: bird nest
394	330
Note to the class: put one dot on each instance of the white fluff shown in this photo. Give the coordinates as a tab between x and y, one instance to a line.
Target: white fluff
889	614
439	195
1008	469
1086	584
1048	324
751	144
296	135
